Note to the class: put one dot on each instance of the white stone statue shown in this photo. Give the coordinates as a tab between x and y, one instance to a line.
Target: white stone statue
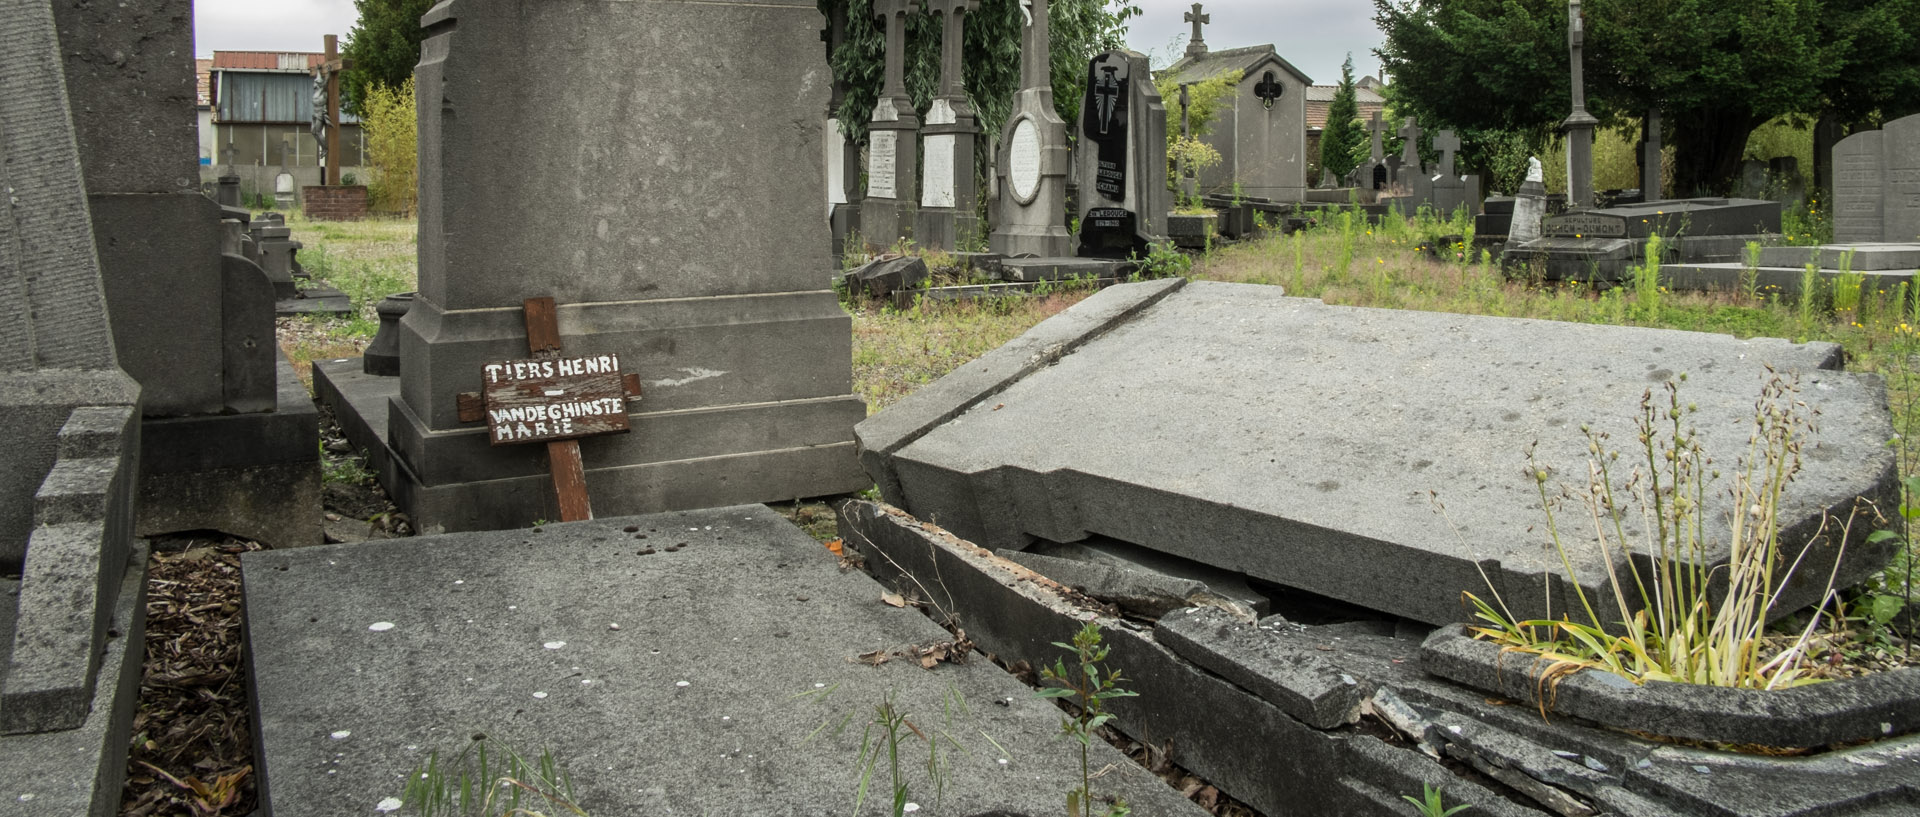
1534	174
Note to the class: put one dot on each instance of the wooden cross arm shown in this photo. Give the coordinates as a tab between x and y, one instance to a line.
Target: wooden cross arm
473	409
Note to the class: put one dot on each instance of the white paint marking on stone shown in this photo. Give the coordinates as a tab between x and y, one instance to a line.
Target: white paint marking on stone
613	626
459	581
682	684
692	373
513	607
380	626
554	645
341	735
389	804
910	807
554	392
26	798
539	694
824	686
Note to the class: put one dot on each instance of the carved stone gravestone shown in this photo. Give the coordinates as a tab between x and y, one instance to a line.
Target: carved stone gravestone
893	148
947	198
1122	159
747	354
1876	184
1032	159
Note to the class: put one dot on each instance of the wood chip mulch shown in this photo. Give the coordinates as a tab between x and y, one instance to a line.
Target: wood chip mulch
192	751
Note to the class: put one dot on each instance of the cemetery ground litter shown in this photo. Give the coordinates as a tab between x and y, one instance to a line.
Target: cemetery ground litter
192	752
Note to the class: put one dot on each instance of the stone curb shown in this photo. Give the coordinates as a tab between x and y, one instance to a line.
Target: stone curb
1858	709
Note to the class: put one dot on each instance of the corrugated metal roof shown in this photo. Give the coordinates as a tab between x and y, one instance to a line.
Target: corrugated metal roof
298	61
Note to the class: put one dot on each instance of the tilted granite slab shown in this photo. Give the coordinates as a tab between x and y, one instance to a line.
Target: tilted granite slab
1305	444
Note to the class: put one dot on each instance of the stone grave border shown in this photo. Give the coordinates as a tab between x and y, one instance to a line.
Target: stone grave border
1881	705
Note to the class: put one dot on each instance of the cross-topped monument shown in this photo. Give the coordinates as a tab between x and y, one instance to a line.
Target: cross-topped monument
1196	45
1580	125
1032	171
947	199
1377	152
1447	142
1409	134
326	123
893	147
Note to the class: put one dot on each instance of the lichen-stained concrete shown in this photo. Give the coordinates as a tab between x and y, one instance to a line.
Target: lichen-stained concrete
1306	444
737	637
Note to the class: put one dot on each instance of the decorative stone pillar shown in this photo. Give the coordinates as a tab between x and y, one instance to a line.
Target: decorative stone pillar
1578	127
892	139
1033	159
948	203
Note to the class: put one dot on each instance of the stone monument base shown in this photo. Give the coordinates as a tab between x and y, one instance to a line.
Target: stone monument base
256	475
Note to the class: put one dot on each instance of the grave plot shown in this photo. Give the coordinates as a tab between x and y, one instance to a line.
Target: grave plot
1305	445
1782	271
679	663
1307	713
1603	245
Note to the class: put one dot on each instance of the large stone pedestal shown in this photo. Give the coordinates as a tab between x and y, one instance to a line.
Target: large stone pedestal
680	232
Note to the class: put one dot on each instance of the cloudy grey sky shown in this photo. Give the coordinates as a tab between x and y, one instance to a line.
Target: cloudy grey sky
1314	35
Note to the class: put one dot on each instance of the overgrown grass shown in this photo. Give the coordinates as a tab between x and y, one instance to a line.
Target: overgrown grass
367	260
896	351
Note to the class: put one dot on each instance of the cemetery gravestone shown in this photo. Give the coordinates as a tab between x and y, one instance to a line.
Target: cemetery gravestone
192	324
1580	124
1033	159
947	202
1650	157
1876	184
747	353
71	575
1259	130
887	213
1122	160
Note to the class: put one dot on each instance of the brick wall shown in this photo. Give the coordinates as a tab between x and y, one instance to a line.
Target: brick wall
341	203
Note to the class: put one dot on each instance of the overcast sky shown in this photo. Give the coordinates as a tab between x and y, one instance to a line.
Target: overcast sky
1314	35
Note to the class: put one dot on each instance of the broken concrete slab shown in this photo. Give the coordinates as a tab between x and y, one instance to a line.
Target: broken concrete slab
886	275
1224	584
1304	444
1149	595
661	687
1283	669
1259	754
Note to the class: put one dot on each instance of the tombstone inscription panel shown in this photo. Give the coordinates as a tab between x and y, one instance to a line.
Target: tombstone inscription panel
880	153
1023	160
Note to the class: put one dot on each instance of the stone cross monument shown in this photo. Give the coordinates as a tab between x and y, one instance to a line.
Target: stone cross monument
893	147
1032	165
1579	127
1409	134
947	199
1650	157
1195	45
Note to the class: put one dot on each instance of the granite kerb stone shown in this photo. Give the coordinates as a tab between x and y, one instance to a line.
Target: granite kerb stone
917	414
1264	659
1235	740
1878	706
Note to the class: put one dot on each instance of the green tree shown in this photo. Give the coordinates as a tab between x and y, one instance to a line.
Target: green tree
1714	69
1343	133
1205	100
392	144
991	53
382	47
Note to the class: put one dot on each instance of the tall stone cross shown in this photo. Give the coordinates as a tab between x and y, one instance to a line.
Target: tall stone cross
895	12
330	125
1036	46
1378	129
1447	142
1580	125
1410	148
554	399
1196	45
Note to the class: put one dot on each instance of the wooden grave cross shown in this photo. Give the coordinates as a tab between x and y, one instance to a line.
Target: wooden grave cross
551	398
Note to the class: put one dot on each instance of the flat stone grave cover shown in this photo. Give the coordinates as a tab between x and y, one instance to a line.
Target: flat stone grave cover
677	663
1669	218
1305	444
